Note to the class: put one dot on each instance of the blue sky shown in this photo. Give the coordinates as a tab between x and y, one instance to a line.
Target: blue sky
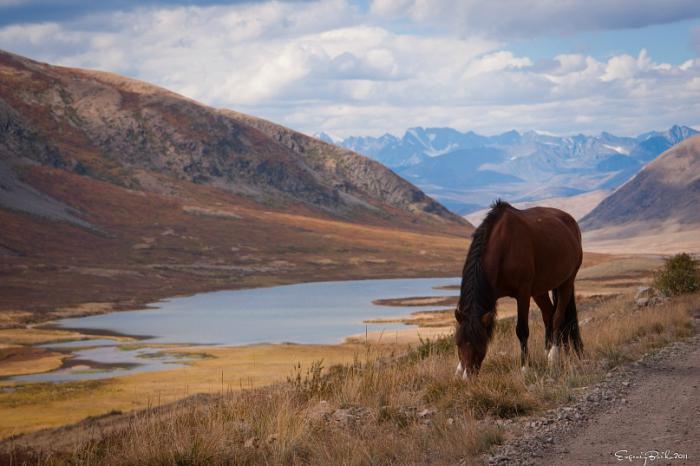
369	67
670	42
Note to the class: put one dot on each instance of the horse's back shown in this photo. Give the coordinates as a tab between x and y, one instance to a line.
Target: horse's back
549	222
540	245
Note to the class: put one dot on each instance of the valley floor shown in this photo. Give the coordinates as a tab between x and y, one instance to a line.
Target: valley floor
628	239
379	408
31	406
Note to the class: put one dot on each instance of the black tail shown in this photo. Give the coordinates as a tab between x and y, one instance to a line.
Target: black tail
570	333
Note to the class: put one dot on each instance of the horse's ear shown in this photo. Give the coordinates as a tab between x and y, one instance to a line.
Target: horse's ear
458	316
487	319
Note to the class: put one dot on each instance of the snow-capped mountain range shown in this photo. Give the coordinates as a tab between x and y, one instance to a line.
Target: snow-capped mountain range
466	171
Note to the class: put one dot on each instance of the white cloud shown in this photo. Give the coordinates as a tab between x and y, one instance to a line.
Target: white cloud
624	67
324	66
497	61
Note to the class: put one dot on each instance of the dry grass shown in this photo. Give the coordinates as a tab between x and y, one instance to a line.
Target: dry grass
28	407
407	409
668	237
15	360
38	336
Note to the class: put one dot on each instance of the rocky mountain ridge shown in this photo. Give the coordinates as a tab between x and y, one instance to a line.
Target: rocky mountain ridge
466	171
123	131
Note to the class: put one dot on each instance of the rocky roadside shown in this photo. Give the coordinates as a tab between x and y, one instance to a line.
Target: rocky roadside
545	439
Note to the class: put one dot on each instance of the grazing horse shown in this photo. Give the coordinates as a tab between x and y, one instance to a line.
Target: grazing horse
521	254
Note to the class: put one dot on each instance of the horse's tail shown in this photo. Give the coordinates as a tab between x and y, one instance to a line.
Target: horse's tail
570	333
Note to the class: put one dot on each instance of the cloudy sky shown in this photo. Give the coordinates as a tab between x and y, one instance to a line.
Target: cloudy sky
370	67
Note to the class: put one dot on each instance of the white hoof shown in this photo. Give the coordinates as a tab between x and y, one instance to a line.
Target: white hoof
524	370
461	373
553	356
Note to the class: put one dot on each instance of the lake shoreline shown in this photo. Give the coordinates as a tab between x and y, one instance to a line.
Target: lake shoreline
27	316
54	329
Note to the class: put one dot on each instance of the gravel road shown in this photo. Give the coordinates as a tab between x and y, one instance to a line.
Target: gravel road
646	413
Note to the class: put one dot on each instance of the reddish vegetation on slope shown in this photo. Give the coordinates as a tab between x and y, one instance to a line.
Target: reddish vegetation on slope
121	192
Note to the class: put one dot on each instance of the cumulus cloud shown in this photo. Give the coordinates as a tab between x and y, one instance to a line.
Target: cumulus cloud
533	18
324	66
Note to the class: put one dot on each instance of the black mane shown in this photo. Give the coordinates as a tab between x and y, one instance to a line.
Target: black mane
477	297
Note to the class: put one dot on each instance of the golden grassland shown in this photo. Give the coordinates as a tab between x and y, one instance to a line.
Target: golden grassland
29	407
37	336
17	360
418	301
377	409
657	237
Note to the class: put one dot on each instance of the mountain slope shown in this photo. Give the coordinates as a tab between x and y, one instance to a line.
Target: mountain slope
114	193
349	171
656	211
667	189
108	127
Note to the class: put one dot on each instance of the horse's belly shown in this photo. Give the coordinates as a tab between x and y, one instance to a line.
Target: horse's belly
551	274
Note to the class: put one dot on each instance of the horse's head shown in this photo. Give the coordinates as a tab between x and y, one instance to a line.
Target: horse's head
472	336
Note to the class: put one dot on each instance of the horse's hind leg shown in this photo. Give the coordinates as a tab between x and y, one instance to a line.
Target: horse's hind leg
522	329
547	308
564	295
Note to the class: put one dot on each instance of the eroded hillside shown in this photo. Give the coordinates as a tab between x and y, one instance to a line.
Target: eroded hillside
118	192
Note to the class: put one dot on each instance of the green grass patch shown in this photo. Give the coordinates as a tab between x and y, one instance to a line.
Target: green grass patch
38	393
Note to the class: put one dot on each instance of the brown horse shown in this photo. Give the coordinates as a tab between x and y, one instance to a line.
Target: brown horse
521	254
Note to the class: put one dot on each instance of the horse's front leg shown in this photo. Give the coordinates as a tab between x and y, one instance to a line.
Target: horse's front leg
523	329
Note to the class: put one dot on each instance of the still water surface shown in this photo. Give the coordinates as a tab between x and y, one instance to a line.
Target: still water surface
321	312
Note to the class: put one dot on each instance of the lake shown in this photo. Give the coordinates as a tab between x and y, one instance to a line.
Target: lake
311	313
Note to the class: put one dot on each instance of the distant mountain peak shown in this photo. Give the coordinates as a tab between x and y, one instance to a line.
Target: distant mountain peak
466	170
328	138
678	133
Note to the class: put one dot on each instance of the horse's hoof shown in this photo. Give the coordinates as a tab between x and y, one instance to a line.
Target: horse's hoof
461	373
553	356
524	370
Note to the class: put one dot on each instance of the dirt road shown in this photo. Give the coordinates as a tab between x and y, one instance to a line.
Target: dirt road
659	421
646	413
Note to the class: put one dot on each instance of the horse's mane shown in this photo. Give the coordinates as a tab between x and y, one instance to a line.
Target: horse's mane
477	297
